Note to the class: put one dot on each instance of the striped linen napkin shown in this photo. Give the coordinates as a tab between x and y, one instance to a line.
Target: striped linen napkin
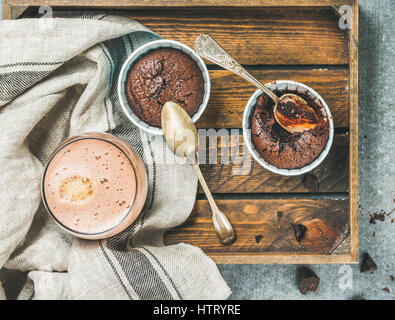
58	78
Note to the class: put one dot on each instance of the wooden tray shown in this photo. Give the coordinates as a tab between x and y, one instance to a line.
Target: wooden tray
275	39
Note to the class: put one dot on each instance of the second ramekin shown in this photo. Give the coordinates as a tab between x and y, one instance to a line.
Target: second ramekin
292	86
139	53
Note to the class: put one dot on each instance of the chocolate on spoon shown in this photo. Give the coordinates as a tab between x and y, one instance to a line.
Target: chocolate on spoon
302	118
294	114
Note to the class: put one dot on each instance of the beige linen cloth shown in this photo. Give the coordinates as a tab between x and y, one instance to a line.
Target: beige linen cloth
58	78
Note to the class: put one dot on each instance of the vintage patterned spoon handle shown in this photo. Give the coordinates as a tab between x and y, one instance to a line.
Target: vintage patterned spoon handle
208	48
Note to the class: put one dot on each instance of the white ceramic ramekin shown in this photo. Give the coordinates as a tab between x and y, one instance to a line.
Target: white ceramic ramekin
293	86
139	53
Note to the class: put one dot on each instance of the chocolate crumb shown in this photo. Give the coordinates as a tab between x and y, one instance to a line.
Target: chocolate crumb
280	214
311	183
308	281
377	216
386	290
374	234
392	278
368	264
392	220
299	231
258	238
380	216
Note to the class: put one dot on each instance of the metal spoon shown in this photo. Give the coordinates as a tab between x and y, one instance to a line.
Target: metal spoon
209	49
182	138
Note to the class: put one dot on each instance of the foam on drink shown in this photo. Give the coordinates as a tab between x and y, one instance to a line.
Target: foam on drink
90	185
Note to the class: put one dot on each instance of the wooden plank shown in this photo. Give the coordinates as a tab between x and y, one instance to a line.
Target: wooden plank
257	36
327	223
354	131
12	11
17	11
282	258
332	174
183	3
5	10
230	94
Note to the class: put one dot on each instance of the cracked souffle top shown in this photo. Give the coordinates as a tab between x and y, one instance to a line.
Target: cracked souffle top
280	148
163	75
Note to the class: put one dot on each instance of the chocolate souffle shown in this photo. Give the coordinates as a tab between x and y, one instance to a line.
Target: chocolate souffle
162	75
280	148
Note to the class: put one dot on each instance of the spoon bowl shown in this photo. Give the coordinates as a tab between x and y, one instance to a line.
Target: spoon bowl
179	130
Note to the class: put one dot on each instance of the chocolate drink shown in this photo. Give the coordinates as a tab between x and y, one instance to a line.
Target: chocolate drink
94	185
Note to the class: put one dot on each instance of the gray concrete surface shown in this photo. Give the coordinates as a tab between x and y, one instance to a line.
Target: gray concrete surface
377	177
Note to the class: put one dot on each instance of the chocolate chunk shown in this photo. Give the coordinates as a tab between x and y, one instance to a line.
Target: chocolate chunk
379	216
311	183
258	238
386	290
392	278
280	214
368	264
374	234
308	281
299	231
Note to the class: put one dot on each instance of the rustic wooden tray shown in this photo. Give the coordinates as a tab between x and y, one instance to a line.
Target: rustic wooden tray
275	39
